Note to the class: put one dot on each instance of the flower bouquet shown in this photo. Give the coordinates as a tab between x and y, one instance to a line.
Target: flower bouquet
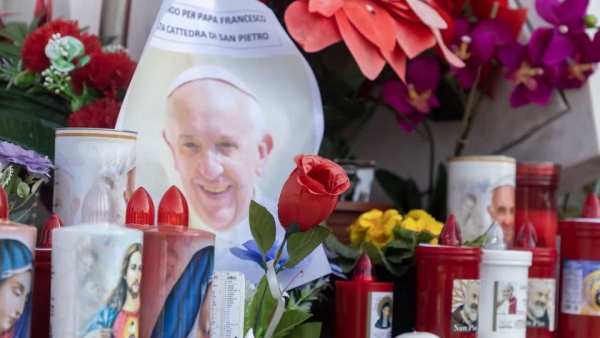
388	238
54	74
308	197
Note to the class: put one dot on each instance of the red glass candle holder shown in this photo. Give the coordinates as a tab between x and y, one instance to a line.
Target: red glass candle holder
535	200
579	294
448	290
41	293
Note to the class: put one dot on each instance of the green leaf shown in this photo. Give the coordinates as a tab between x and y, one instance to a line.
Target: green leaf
425	237
262	226
306	330
399	257
479	241
23	189
15	31
404	194
289	320
407	235
302	244
83	61
347	264
437	201
400	244
21	216
378	258
268	305
36	185
346	251
9	51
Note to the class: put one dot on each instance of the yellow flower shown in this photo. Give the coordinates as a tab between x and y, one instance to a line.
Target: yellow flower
418	220
375	226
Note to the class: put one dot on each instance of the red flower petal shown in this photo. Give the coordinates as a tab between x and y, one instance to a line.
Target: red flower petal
397	60
372	21
325	7
102	113
312	32
369	59
414	38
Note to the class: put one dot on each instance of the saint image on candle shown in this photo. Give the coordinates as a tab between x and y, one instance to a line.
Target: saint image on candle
15	288
464	317
538	300
385	314
470	217
119	318
186	311
508	303
502	207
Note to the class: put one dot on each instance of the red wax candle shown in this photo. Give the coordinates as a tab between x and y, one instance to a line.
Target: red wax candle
579	295
535	199
40	316
541	297
448	290
363	307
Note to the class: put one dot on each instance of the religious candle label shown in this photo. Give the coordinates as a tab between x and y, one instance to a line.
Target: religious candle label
465	303
380	315
540	303
581	288
227	308
510	306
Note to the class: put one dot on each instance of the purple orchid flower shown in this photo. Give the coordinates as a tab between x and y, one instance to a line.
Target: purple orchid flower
554	45
35	164
477	47
414	98
533	80
252	253
582	63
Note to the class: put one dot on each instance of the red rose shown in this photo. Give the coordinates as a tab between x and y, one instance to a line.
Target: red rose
311	192
106	72
33	53
102	113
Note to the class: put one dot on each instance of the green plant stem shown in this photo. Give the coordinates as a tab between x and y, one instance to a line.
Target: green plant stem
359	131
264	292
431	156
473	108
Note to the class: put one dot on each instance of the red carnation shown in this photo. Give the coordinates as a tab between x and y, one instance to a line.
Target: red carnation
101	113
106	72
33	53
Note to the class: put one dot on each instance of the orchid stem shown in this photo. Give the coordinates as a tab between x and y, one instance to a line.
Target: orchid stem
431	155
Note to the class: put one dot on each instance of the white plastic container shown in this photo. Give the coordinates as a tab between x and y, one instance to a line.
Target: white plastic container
481	189
503	298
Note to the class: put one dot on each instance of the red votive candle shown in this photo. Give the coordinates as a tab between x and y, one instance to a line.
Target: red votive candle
363	307
40	316
541	297
535	200
448	290
579	295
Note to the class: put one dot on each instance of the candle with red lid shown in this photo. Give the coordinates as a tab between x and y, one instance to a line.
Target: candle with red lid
42	278
140	210
535	200
17	243
448	285
96	272
179	266
541	292
363	307
579	294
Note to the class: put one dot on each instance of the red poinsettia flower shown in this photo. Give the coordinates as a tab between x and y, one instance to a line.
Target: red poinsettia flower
376	31
453	7
515	17
106	72
101	113
33	53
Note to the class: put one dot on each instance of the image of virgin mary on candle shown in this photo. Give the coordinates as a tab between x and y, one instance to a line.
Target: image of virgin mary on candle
186	311
15	288
385	315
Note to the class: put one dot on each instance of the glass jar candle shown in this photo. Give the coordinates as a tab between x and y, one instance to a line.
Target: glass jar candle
535	200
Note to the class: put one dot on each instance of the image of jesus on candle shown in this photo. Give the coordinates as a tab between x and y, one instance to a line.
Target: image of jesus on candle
119	318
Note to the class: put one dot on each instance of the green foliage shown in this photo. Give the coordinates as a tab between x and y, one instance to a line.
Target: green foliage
479	241
289	320
301	244
301	298
255	316
306	330
262	227
404	193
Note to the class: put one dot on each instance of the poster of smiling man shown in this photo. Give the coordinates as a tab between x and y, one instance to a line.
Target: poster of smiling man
222	101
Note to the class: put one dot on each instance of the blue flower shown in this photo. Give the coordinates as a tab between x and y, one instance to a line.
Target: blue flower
35	164
252	253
